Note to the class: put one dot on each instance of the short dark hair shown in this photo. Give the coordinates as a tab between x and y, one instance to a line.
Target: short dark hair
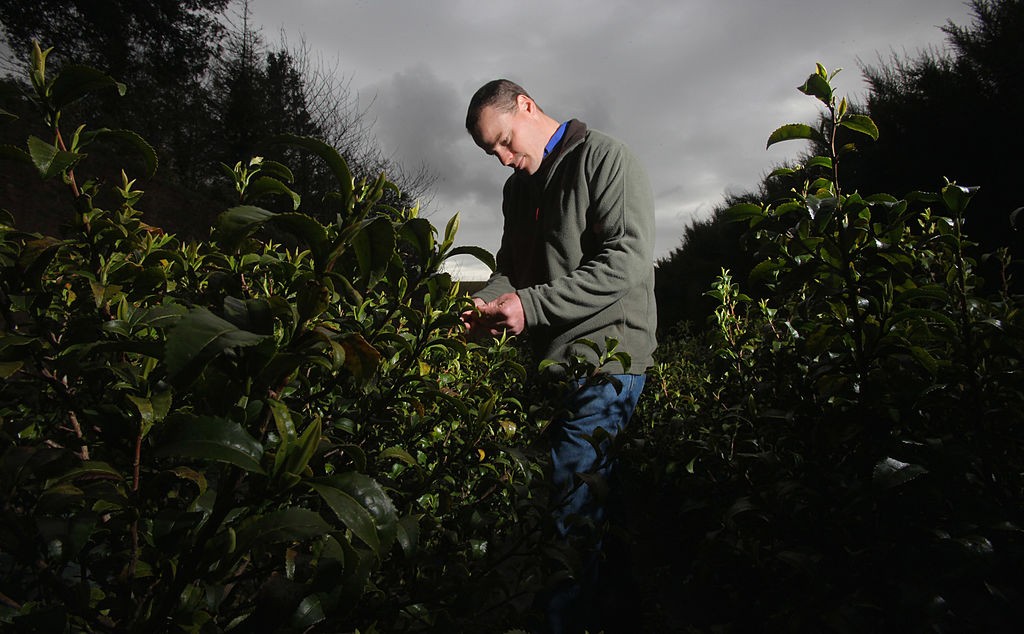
502	94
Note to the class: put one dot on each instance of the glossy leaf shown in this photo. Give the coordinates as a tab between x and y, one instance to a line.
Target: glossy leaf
794	131
303	448
420	233
408	534
11	153
309	613
265	186
284	525
301	226
199	337
860	123
820	161
743	211
363	506
209	438
818	87
238	222
374	245
75	81
330	156
890	472
254	315
49	160
481	254
956	197
127	137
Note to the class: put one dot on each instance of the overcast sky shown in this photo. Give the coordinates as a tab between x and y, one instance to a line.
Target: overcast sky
694	87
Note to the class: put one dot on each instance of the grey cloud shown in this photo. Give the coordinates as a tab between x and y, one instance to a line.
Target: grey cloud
694	87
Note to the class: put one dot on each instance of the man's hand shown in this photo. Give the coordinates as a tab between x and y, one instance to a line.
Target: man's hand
471	319
504	314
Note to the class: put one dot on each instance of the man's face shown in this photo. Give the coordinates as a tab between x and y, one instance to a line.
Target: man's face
515	137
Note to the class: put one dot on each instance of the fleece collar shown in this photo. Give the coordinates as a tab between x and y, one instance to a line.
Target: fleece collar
575	131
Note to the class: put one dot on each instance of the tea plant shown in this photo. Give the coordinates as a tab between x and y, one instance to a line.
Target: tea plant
843	455
279	429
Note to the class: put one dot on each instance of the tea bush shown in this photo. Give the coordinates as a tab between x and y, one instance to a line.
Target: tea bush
281	428
843	455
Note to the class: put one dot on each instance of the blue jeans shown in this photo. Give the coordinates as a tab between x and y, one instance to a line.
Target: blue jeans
581	467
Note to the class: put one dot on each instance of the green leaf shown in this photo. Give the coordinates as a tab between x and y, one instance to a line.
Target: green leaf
363	506
276	170
743	211
163	316
8	368
820	161
126	136
49	160
309	612
283	421
267	186
889	473
399	453
11	153
199	337
285	525
820	341
419	233
254	315
764	270
361	358
235	224
76	81
925	358
449	232
956	197
861	123
818	87
409	534
210	438
303	227
146	414
374	245
89	470
301	451
193	476
36	256
792	131
479	253
334	161
781	171
923	316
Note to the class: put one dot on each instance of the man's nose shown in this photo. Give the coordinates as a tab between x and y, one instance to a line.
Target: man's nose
505	157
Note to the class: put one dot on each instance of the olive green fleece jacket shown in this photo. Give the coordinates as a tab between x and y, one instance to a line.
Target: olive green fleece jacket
578	248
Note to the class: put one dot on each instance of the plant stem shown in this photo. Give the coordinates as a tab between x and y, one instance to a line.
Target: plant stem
71	172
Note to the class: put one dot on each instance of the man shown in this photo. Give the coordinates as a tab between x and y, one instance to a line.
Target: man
575	262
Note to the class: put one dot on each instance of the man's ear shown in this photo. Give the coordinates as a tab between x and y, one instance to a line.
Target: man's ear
526	104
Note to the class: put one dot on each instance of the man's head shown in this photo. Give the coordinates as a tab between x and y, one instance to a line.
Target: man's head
508	124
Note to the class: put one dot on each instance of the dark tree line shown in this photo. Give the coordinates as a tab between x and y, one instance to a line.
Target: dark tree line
941	115
204	88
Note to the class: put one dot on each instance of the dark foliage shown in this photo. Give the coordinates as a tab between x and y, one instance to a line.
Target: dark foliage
951	115
202	94
943	115
843	456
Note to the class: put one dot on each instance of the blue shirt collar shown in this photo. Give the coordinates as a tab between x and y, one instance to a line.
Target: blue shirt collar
555	138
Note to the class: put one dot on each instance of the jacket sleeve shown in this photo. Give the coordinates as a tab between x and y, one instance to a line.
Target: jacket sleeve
621	213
